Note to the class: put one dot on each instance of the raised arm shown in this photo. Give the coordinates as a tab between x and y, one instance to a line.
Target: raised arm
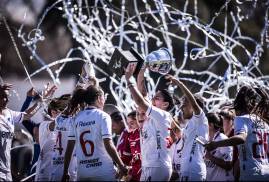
29	97
232	141
46	94
141	81
137	96
196	108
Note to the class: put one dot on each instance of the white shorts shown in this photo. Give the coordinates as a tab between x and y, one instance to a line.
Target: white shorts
58	174
162	173
57	171
188	176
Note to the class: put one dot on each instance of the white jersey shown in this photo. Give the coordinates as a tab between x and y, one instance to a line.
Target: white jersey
7	120
192	161
253	154
176	149
214	172
62	129
46	142
90	127
155	131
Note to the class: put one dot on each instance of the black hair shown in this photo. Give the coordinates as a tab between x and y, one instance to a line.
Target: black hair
83	96
132	114
167	98
215	119
228	114
262	108
4	94
246	100
200	100
53	105
117	117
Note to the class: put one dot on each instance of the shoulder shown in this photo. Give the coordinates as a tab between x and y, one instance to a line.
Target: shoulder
13	113
222	136
244	119
101	113
199	116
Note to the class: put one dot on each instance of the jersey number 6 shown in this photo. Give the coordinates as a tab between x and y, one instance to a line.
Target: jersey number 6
83	144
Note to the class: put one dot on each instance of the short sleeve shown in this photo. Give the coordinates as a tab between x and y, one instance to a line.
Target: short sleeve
72	128
200	118
161	117
43	132
106	126
16	117
240	125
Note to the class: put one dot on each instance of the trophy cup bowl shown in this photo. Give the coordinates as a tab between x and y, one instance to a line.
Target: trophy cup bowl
160	61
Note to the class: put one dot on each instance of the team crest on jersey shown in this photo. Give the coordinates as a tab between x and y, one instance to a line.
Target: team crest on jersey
145	134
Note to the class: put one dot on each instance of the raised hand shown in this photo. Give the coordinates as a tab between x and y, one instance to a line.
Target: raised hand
49	91
6	87
172	80
32	92
129	71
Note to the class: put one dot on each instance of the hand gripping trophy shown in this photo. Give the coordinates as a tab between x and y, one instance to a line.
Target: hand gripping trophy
157	61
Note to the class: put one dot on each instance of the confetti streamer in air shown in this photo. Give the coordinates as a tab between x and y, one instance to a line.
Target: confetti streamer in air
16	49
100	27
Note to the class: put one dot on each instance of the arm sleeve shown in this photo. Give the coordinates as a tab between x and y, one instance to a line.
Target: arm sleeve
16	116
26	103
106	126
240	125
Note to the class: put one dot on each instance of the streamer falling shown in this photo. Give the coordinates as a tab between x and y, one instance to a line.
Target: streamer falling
149	25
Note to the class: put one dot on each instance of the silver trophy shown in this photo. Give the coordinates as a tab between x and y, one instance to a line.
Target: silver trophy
160	61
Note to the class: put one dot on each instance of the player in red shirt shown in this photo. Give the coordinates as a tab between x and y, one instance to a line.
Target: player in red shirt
122	145
134	143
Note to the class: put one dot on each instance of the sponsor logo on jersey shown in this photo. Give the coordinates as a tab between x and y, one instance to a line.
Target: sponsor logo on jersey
61	128
91	163
158	136
6	135
87	123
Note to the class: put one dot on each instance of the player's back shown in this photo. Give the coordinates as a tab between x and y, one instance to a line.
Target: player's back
62	127
254	154
91	126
